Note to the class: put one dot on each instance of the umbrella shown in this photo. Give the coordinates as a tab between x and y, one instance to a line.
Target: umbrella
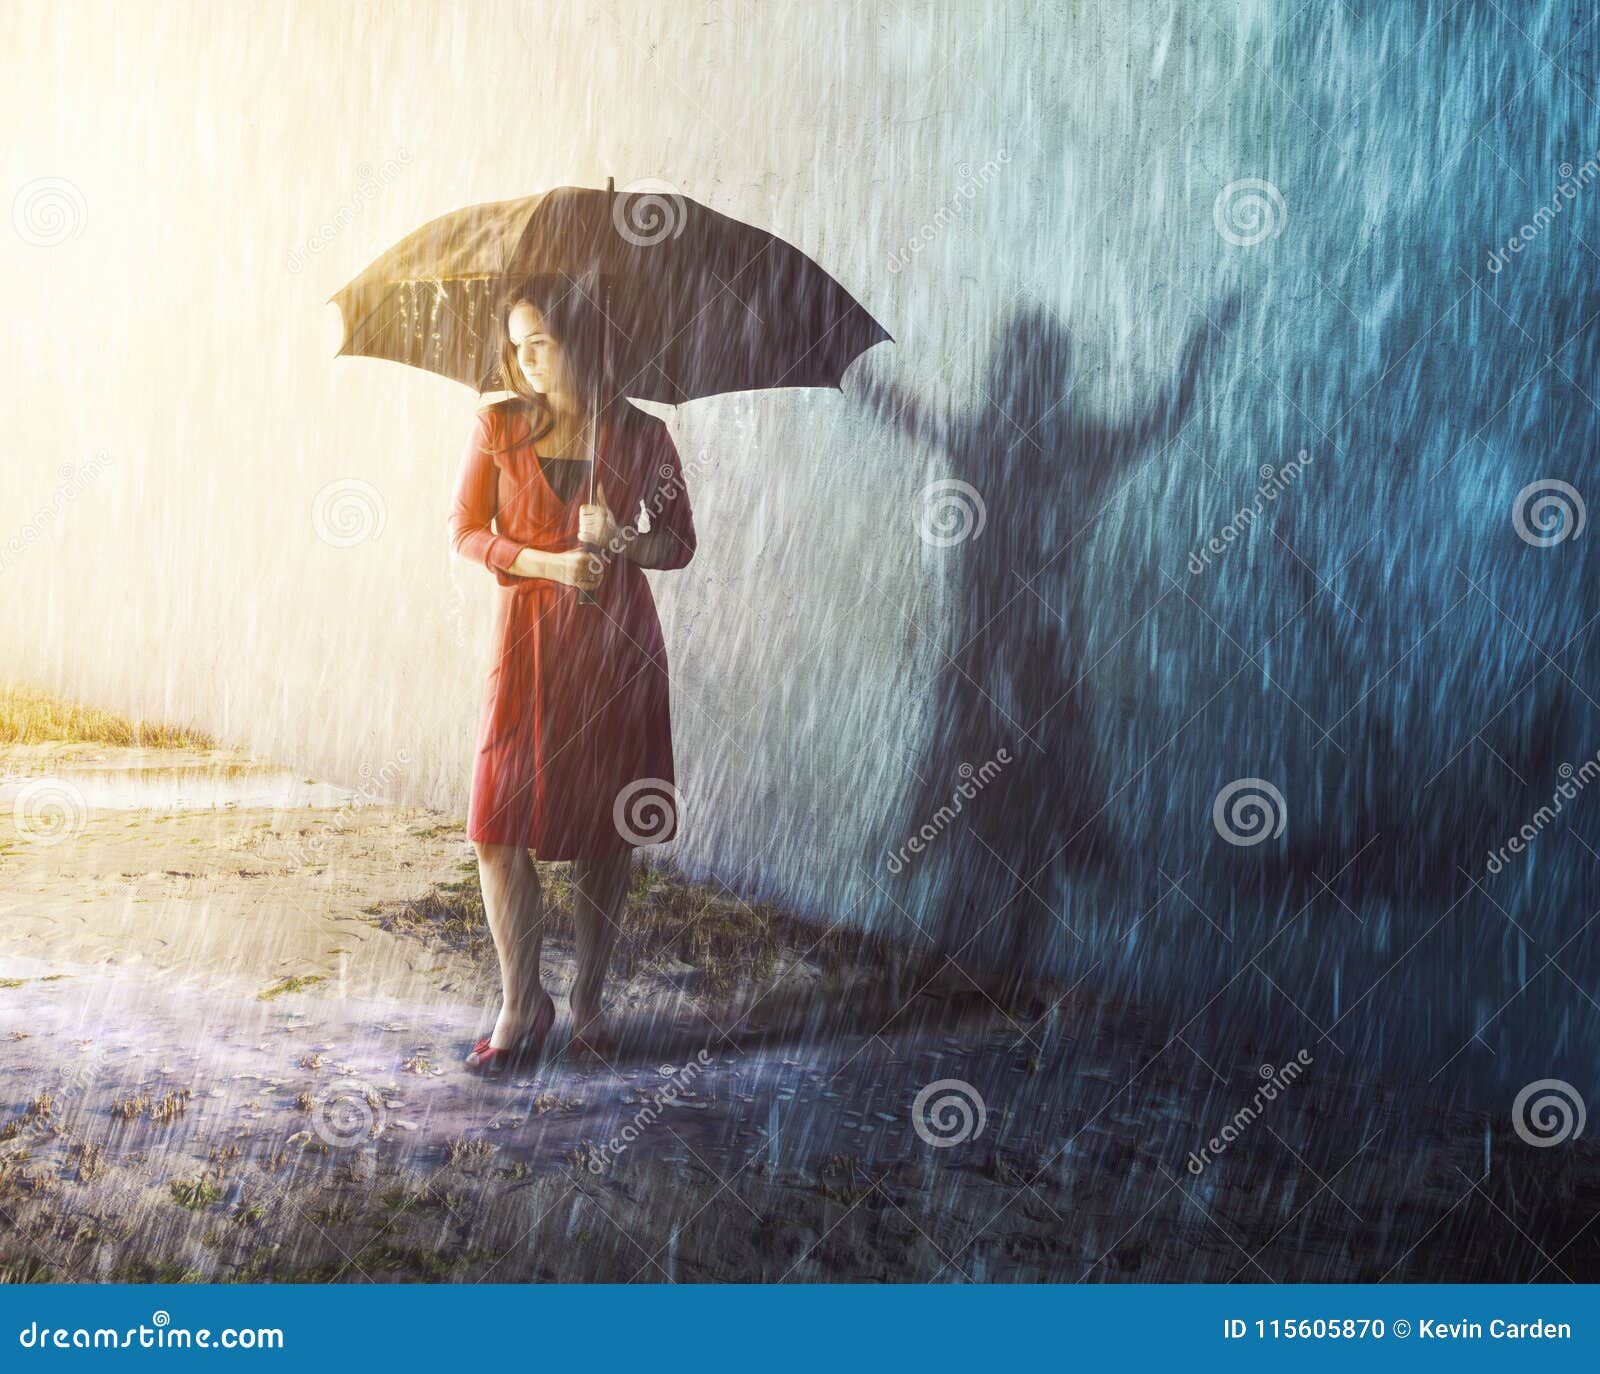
699	303
696	303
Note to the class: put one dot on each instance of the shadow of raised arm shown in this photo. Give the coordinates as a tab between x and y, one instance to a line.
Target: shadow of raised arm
934	422
1171	410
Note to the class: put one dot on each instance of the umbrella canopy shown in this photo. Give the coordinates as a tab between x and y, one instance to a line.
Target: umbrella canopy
700	303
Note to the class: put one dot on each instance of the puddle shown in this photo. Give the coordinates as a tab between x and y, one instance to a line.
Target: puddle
173	788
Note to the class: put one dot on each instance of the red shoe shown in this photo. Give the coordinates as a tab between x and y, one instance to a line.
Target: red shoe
600	1043
488	1060
597	1040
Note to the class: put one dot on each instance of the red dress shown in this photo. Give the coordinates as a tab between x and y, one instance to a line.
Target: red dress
575	738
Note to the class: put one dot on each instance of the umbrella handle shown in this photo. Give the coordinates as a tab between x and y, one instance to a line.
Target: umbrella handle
585	596
588	598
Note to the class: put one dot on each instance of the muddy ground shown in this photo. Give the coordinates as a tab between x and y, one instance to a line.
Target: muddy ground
233	1004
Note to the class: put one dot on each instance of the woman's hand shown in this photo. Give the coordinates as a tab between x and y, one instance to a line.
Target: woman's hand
596	524
576	568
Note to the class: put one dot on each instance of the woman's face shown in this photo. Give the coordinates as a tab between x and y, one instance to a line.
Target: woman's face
539	354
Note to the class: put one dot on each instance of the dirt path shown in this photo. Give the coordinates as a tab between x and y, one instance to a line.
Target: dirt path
222	1056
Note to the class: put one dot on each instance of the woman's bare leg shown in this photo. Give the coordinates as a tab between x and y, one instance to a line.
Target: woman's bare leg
599	897
514	905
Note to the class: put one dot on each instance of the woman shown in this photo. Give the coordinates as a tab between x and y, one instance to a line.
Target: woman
574	754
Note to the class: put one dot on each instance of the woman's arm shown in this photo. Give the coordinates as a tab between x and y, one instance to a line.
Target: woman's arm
670	541
473	509
658	549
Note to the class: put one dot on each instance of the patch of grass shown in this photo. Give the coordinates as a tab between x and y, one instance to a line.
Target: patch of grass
39	1107
730	941
298	983
195	1193
129	1108
466	1151
336	1212
172	1106
88	1159
30	715
851	1182
162	1271
28	1269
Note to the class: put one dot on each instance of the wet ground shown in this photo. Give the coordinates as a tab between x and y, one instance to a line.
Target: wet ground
220	1060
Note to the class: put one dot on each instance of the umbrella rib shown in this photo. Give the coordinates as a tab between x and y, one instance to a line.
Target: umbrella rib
721	287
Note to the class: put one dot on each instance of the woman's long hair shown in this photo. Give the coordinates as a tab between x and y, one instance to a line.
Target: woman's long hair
575	320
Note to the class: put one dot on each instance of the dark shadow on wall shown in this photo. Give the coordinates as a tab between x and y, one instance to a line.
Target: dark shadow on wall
1007	778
